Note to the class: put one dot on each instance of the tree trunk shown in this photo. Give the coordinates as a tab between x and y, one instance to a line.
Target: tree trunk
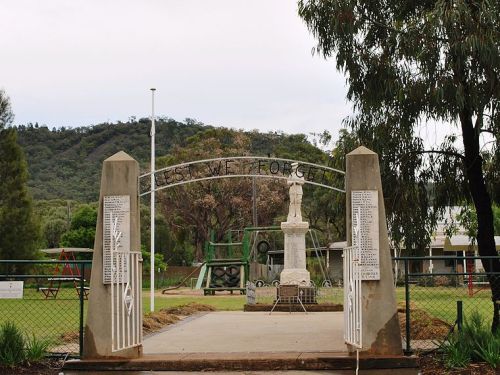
482	203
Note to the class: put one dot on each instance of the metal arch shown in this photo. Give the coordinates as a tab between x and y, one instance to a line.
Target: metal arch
243	158
255	159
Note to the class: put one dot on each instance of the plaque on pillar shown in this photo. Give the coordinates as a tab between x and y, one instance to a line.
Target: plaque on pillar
365	215
116	225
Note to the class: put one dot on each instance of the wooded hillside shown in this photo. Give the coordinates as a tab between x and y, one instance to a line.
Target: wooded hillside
66	163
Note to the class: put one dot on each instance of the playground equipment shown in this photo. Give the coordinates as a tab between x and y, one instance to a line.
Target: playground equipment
227	264
69	272
226	268
185	279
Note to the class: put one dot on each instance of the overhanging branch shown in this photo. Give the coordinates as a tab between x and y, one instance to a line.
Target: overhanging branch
440	152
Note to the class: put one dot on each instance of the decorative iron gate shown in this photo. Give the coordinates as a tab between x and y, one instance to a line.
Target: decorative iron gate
352	289
126	295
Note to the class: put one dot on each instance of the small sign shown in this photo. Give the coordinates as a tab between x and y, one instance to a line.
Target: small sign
11	289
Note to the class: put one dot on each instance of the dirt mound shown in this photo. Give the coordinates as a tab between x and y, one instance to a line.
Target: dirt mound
157	320
71	336
189	309
423	326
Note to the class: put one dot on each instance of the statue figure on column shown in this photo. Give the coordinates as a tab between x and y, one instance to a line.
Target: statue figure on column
295	182
294	269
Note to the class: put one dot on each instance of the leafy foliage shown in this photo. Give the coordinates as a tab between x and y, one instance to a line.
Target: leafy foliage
193	210
474	343
82	230
15	349
407	64
19	231
12	345
66	163
6	115
37	348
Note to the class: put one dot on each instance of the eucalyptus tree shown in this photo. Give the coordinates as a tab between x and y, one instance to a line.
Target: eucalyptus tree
408	63
19	232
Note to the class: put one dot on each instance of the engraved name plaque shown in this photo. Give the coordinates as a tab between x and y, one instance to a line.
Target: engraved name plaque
116	231
365	209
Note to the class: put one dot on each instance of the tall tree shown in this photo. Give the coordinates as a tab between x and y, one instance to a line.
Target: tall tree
219	205
408	62
82	229
19	232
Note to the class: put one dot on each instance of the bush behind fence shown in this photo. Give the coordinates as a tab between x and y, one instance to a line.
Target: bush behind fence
52	302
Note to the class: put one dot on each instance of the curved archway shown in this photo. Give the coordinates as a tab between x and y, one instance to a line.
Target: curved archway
238	166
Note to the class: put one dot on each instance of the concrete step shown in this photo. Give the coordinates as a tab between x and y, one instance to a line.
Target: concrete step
277	361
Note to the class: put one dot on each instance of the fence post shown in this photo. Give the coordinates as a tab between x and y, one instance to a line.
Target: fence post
408	350
81	295
459	315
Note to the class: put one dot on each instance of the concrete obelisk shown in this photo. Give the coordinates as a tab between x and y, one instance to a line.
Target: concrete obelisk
381	334
295	272
120	174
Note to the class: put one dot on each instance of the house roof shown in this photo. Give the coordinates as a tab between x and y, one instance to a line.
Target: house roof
59	250
461	242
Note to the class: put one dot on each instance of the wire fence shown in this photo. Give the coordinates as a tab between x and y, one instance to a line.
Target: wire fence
431	305
46	299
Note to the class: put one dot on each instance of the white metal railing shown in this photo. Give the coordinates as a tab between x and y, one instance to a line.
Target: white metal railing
126	296
352	297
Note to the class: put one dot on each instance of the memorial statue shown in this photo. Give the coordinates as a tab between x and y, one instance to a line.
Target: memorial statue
295	191
294	269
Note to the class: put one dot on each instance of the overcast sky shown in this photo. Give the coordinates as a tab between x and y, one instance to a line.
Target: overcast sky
234	63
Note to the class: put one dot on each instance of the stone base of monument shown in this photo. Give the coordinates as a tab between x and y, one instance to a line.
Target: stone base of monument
314	307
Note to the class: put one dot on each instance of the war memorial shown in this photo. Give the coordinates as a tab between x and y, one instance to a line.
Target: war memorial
368	333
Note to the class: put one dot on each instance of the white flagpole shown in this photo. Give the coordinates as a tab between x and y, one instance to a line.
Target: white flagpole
153	188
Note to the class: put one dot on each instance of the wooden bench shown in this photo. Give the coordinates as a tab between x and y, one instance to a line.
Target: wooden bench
55	284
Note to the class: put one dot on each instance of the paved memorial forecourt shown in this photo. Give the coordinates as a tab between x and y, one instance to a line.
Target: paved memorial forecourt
236	331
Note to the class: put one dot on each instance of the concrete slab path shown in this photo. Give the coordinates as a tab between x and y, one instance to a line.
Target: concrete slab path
236	331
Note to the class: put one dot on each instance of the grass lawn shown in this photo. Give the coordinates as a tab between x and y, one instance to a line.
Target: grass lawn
42	317
441	302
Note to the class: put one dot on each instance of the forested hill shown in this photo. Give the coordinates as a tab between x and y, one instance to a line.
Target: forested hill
66	163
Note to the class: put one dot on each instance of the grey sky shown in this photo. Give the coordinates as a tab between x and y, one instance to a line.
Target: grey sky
242	64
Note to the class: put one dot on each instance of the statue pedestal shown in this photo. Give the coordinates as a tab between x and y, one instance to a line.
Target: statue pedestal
295	272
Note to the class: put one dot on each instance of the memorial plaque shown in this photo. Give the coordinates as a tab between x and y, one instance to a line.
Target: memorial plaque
11	289
116	230
364	205
251	293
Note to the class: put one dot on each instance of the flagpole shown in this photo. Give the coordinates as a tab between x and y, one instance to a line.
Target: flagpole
153	188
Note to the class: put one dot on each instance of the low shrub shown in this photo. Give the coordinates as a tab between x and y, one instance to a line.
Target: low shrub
11	345
15	349
36	348
474	343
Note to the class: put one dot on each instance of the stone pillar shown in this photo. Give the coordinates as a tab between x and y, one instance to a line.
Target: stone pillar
294	271
120	175
381	334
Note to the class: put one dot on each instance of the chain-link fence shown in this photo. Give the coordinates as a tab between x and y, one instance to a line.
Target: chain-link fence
46	299
431	305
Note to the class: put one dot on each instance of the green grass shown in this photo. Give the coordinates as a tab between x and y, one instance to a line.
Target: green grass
43	318
441	302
